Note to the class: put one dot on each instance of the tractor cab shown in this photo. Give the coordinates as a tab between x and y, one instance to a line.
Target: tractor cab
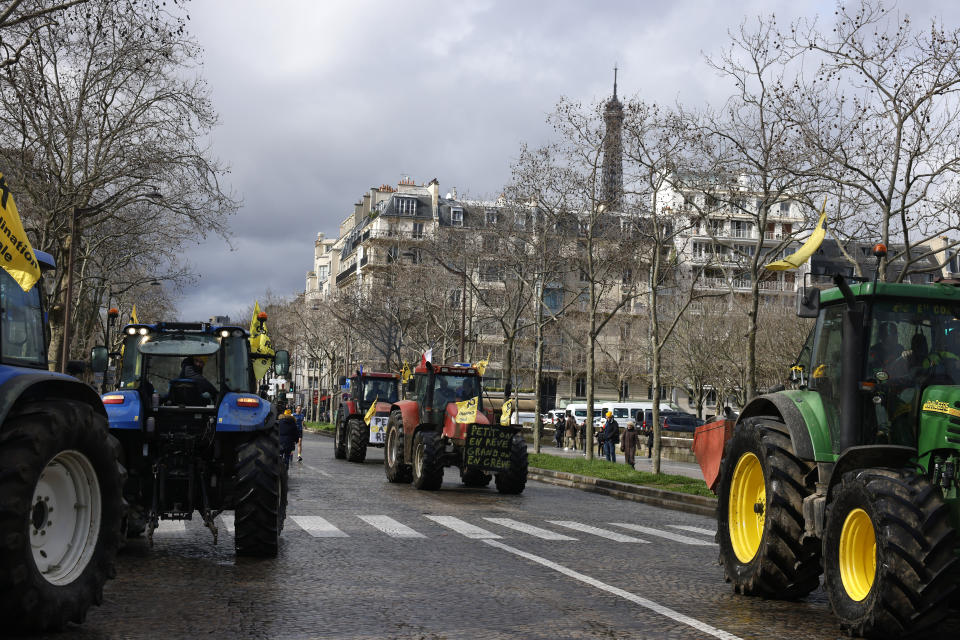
436	388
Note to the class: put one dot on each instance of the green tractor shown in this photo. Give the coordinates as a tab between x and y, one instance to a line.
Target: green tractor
854	472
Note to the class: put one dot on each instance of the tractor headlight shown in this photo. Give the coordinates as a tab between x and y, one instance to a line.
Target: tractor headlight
225	333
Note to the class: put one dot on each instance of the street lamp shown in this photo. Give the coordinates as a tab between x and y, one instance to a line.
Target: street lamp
75	215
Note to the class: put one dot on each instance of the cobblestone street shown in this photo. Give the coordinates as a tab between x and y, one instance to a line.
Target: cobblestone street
361	558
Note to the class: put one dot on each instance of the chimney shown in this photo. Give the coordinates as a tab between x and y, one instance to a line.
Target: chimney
366	203
433	188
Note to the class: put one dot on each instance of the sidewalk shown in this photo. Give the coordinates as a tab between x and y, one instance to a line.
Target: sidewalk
688	469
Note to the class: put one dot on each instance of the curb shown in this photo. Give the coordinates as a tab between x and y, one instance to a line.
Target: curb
698	505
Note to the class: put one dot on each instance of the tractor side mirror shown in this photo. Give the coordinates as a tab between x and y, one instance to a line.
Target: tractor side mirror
808	302
411	386
281	363
342	381
98	359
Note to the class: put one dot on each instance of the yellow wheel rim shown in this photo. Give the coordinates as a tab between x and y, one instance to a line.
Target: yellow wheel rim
858	554
748	505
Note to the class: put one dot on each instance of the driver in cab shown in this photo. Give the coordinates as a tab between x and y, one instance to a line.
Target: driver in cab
191	368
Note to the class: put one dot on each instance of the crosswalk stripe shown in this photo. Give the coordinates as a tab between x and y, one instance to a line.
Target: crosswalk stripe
318	527
464	528
227	521
171	527
597	531
391	527
683	527
529	528
676	537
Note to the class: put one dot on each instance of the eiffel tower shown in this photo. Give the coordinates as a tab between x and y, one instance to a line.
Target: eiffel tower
612	177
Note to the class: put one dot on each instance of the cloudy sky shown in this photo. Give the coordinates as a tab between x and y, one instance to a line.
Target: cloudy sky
320	100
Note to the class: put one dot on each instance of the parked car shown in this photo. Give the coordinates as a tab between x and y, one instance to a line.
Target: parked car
672	421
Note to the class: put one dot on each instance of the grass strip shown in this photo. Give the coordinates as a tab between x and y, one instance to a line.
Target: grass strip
318	426
618	472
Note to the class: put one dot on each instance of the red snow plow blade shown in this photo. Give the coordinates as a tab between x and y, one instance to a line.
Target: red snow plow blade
708	443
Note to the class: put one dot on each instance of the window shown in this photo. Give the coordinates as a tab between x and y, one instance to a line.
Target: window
741	229
711	201
21	336
323	272
456	217
455	298
407	206
759	205
581	384
418	231
393	254
785	208
627	275
715	226
416	256
490	243
553	298
492	217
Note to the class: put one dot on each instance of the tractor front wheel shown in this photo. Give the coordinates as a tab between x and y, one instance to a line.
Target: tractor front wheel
261	499
339	440
356	440
393	464
61	506
889	565
514	480
760	514
427	468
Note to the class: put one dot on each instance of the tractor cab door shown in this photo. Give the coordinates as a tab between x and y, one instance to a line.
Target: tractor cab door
826	366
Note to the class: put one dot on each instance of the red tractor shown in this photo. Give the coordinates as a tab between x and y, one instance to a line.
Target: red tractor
352	435
425	431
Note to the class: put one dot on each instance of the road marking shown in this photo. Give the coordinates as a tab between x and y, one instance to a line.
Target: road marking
626	595
391	527
683	527
464	528
529	528
676	537
597	531
318	527
315	470
227	521
171	527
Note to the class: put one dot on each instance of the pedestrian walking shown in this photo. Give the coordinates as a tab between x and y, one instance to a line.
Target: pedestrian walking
298	418
582	436
570	442
287	427
629	443
559	430
649	443
611	436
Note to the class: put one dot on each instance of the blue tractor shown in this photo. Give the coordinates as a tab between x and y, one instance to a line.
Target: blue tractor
61	501
194	435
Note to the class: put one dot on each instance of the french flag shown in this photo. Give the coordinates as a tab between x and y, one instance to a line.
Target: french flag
426	357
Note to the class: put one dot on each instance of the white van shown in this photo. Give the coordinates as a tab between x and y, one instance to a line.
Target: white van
624	411
579	411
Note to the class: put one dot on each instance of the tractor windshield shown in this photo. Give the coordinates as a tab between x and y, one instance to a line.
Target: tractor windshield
380	389
453	388
21	324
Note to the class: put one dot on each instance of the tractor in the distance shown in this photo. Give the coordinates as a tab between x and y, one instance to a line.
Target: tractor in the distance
352	435
195	436
854	473
424	434
61	501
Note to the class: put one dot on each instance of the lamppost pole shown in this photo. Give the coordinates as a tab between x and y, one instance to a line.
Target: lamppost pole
68	301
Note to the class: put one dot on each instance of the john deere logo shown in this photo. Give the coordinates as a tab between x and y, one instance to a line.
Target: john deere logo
939	406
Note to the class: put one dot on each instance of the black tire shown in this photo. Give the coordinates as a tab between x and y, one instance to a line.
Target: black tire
260	500
357	436
782	567
135	521
916	569
475	478
393	464
55	435
514	480
340	439
427	467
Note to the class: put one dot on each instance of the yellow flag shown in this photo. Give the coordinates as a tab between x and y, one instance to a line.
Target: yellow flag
467	410
254	325
371	411
506	413
794	260
16	254
133	315
481	366
405	373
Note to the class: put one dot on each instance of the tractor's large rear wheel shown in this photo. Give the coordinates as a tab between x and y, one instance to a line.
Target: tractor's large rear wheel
889	564
514	479
61	507
393	464
760	514
357	436
340	439
427	467
260	489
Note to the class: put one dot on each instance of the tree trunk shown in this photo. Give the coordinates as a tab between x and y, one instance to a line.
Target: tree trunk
538	371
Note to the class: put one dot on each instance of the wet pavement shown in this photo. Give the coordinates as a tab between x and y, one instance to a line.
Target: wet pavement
361	558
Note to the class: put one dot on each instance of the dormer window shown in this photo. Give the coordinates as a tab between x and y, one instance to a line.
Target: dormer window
407	206
492	217
456	217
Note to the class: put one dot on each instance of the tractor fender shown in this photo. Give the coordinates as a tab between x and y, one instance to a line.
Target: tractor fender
886	456
410	413
126	415
780	405
17	386
231	416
